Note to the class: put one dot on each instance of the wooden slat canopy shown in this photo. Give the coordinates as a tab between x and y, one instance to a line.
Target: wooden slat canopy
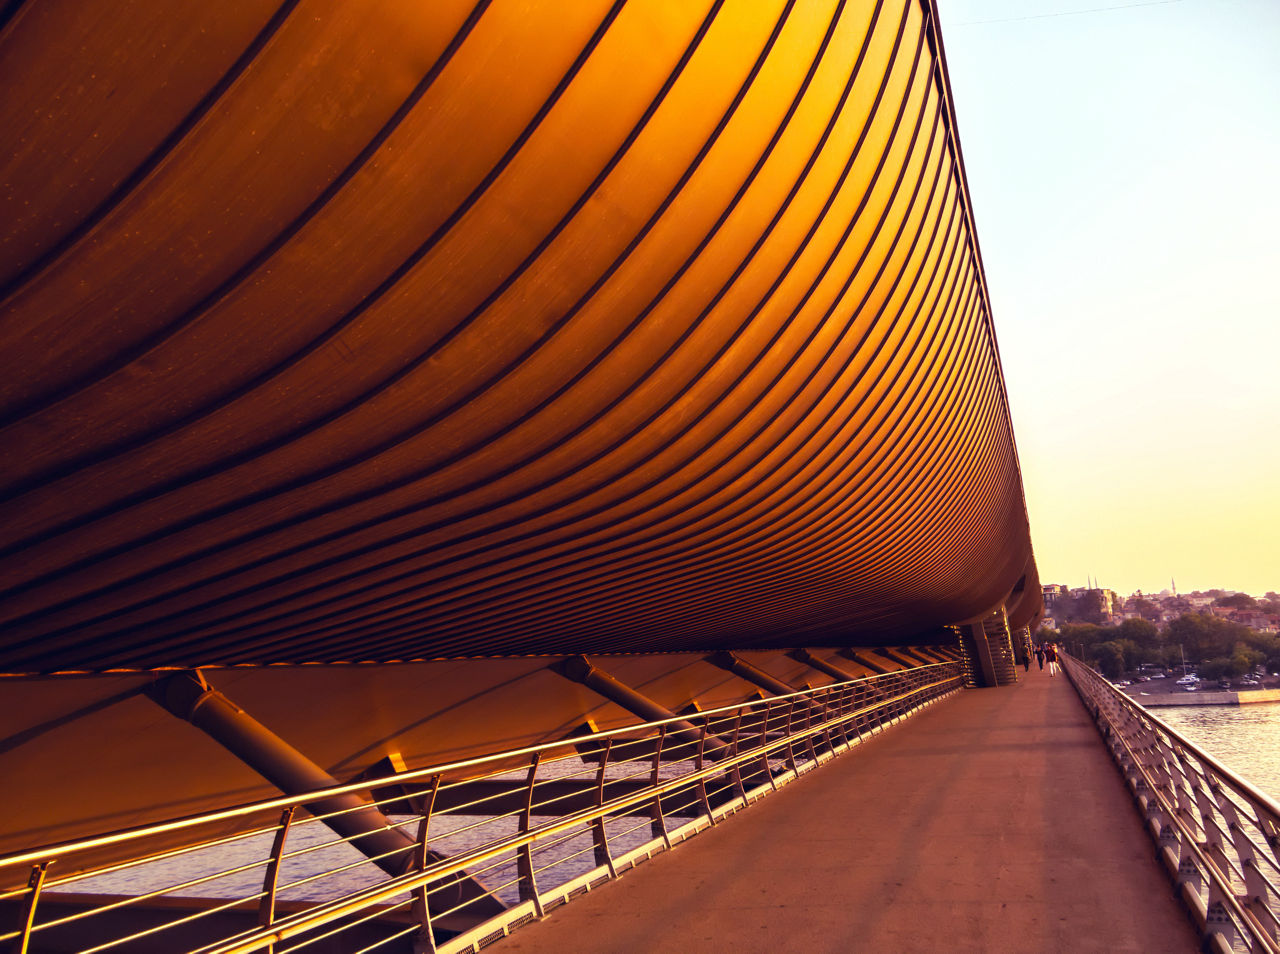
388	330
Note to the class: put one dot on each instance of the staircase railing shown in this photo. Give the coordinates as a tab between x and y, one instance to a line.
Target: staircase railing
1217	836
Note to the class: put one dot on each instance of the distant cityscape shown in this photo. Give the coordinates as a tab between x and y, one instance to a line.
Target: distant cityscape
1225	633
1104	607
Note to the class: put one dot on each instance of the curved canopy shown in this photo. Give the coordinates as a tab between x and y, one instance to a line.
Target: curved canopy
381	330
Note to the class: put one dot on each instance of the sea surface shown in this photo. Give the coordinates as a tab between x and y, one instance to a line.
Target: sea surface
1244	738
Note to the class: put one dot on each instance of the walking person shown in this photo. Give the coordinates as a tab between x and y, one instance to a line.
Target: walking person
1040	655
1051	657
1026	653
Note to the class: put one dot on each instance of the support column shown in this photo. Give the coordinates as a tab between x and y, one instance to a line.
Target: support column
903	657
862	660
580	669
189	697
731	662
813	662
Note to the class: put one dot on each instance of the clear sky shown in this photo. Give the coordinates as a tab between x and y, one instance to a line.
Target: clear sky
1125	172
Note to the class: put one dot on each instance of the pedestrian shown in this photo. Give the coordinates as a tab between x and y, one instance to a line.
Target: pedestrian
1051	657
1040	655
1026	653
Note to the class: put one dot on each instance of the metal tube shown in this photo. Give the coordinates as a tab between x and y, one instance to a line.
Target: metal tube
903	656
824	667
189	697
28	918
267	906
866	661
731	662
580	669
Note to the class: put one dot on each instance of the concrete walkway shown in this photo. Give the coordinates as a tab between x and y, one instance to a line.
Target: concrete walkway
994	821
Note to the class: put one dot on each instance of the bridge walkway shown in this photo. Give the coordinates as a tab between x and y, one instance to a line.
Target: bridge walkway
994	821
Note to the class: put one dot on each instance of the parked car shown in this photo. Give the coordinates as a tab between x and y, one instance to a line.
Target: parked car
1188	680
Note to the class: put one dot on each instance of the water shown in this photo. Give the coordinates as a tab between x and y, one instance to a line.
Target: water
1244	738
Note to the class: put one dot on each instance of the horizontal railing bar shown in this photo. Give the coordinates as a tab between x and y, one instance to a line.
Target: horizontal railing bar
348	925
1241	915
159	892
776	726
1240	784
303	921
377	944
168	924
62	849
52	884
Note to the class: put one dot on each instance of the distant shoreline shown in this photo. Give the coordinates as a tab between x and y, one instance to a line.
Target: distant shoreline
1164	692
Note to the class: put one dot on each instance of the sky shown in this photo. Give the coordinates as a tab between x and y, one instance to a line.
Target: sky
1124	166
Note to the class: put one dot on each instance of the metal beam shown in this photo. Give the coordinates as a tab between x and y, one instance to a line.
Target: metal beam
189	697
580	669
731	662
899	657
862	660
813	662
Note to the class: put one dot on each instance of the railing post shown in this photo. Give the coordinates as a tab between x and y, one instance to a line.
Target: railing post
1206	799
1182	786
524	855
764	747
841	694
861	721
659	824
424	941
808	736
1189	873
791	750
27	920
1257	891
267	906
599	834
702	782
1218	919
735	773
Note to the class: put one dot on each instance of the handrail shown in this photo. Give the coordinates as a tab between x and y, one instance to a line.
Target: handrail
1191	801
592	806
62	849
284	930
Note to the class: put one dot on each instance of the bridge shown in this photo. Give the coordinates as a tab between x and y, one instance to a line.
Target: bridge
440	436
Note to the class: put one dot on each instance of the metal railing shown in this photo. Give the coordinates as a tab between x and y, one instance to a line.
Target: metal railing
1217	836
491	842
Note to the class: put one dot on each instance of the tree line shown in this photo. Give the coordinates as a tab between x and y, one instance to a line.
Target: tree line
1216	647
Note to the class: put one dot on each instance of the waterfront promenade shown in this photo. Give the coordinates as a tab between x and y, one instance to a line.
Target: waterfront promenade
994	821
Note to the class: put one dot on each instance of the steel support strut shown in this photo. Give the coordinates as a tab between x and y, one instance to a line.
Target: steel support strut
189	697
821	665
579	669
866	661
